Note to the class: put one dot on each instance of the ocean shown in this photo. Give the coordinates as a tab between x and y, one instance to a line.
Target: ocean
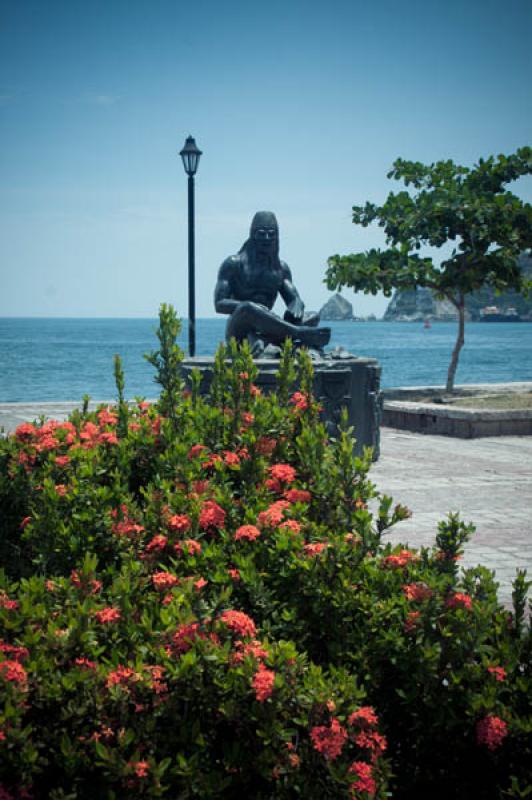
48	359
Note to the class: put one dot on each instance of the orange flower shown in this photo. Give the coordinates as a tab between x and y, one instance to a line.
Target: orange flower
263	682
179	523
417	591
164	580
238	622
283	472
329	739
108	615
499	672
248	532
459	600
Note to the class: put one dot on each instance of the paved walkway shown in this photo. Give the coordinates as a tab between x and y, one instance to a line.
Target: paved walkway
488	480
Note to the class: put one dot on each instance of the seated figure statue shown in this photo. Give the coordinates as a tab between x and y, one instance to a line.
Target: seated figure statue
248	285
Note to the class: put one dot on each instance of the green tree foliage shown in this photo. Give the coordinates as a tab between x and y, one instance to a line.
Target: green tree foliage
469	207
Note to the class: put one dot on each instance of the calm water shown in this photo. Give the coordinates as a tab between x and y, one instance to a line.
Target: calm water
62	359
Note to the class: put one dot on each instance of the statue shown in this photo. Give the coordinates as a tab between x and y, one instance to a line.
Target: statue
247	287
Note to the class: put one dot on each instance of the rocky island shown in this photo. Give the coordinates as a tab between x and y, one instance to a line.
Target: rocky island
337	308
416	305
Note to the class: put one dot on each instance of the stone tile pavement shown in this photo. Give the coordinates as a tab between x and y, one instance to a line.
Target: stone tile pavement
488	480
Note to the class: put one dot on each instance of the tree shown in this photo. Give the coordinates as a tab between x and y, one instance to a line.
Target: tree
450	203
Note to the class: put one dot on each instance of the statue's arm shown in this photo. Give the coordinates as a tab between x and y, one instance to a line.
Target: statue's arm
224	302
295	307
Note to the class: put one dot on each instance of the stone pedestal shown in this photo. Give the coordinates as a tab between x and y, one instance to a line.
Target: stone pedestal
351	382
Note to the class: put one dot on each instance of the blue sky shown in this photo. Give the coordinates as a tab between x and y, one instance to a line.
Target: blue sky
299	107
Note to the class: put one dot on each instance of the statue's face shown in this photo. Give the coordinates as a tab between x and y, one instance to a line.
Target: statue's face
265	239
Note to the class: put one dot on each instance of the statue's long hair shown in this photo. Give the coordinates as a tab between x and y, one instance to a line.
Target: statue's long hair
262	219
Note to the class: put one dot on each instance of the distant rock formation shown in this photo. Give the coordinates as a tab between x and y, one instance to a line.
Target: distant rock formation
416	305
336	308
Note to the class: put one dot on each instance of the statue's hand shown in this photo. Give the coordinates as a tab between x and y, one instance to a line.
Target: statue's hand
294	312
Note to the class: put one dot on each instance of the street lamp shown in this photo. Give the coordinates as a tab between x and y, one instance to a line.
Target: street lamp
191	156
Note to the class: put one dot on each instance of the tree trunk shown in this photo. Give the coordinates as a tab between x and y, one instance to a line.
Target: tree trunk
460	307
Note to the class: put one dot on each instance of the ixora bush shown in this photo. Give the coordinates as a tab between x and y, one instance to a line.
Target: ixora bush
198	601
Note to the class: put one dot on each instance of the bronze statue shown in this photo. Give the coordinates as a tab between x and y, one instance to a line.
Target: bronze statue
247	288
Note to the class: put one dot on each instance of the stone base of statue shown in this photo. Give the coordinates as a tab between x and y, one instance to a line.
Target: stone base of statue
340	380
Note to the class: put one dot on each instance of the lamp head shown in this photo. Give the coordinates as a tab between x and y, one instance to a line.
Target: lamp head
191	156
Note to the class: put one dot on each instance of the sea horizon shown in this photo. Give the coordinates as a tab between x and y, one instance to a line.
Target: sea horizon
60	359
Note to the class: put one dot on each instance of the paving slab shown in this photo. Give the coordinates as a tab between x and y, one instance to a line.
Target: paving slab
488	480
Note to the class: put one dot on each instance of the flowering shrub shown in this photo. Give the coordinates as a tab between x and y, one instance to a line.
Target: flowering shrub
198	601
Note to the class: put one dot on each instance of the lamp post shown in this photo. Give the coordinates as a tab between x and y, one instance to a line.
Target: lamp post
191	156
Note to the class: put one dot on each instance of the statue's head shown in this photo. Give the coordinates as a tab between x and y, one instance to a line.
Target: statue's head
264	233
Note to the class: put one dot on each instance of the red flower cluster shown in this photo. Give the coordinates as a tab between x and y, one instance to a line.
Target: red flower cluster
91	585
366	720
412	620
299	401
157	544
231	459
179	523
164	581
247	532
263	682
106	417
25	431
491	731
121	676
329	739
253	648
297	496
125	526
14	651
315	548
273	485
247	419
239	623
211	515
364	717
84	663
156	674
185	636
291	525
196	450
5	602
417	591
499	672
283	472
265	446
459	600
108	615
214	458
273	516
13	672
399	560
364	778
192	547
372	741
201	487
140	768
91	435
